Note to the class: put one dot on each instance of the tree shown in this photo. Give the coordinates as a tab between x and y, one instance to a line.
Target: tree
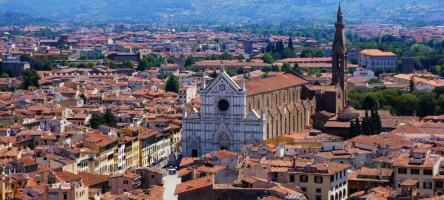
64	63
288	53
38	65
412	85
5	75
10	72
214	74
286	67
111	64
276	68
297	69
226	56
267	58
47	65
72	65
427	103
83	57
30	78
266	69
143	65
279	46
240	58
320	53
367	126
408	104
373	81
351	70
127	64
26	58
290	43
82	65
171	61
307	53
90	65
352	131
378	71
189	61
378	123
109	118
370	102
172	85
358	126
231	72
95	121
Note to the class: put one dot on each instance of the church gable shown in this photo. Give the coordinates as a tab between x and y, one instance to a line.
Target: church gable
222	84
223	128
194	114
252	116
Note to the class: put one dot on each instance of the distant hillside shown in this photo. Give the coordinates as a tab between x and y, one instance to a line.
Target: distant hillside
221	11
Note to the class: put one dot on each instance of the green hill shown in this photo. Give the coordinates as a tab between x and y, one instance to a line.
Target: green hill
236	11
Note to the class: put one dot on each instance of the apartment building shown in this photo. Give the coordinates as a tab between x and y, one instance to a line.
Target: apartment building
376	59
104	144
321	181
187	93
419	165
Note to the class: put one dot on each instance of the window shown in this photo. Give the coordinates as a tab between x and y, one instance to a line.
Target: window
318	179
303	178
152	176
402	171
318	197
318	190
427	172
291	178
303	189
125	182
414	171
427	185
65	196
332	178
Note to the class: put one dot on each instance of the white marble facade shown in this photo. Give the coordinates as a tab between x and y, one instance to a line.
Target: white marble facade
221	122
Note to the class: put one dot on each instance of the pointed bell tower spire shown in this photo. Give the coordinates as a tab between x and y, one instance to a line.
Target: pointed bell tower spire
339	58
339	15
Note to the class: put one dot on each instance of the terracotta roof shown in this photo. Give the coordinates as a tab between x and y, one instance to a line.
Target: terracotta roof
27	161
369	174
224	154
376	52
184	172
277	163
210	170
65	176
194	184
92	179
273	83
409	182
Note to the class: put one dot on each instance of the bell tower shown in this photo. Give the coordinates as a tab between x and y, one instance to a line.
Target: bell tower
339	58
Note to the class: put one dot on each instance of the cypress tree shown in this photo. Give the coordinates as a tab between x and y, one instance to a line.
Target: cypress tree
378	122
290	43
352	130
358	126
373	119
